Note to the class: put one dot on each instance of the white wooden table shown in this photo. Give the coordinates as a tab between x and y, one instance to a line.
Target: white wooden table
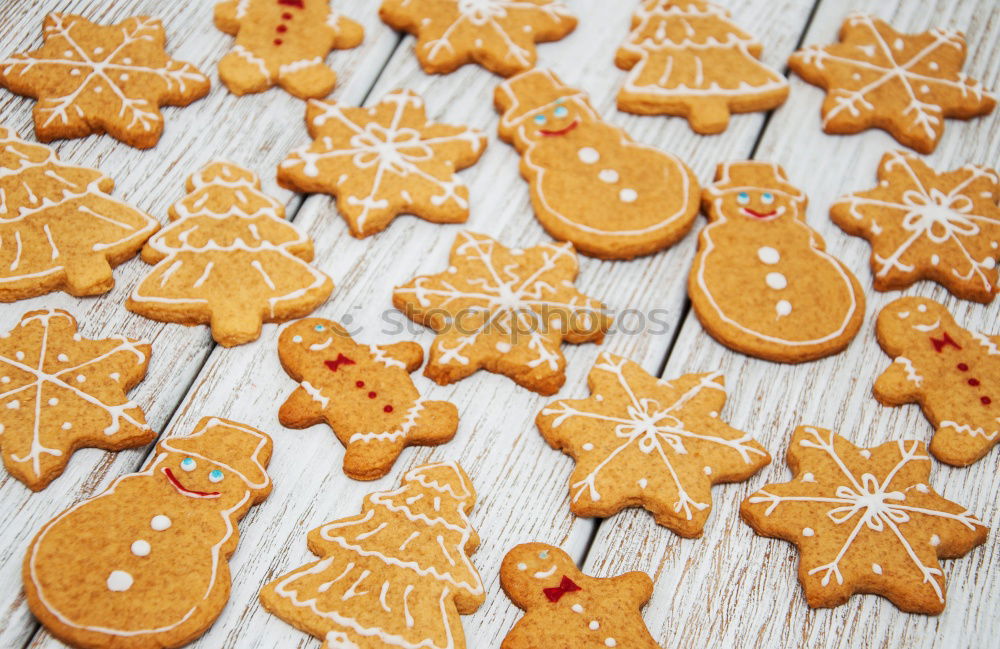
728	588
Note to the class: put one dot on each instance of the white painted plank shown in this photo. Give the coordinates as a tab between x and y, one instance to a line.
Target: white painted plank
732	585
255	131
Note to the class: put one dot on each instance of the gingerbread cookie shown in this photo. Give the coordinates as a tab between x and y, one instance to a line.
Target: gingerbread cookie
363	392
499	35
504	309
591	183
639	440
950	371
905	84
60	392
229	258
397	575
91	78
384	160
59	228
565	608
864	521
761	282
144	564
687	58
283	42
924	224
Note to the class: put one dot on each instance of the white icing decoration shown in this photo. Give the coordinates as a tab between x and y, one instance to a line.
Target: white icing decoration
777	281
768	255
577	608
140	548
608	175
594	625
119	581
808	531
628	195
588	155
782	308
160	523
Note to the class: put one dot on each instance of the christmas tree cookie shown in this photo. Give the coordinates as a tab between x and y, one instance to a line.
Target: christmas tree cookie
396	575
112	79
283	42
950	371
565	608
641	440
864	520
145	563
687	58
761	282
591	183
59	228
60	391
363	392
228	258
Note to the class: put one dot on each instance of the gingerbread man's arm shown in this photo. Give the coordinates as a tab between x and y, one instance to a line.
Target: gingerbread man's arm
521	636
636	588
899	383
409	354
226	16
303	408
347	33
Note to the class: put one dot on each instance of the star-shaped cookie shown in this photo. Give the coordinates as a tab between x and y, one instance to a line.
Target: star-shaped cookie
91	78
904	83
384	160
923	224
639	440
500	35
864	521
504	309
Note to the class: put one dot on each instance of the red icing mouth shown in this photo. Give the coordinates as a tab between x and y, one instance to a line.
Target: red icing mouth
759	215
562	131
184	491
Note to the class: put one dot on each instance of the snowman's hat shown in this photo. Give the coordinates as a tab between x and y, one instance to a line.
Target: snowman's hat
752	174
528	93
243	450
446	478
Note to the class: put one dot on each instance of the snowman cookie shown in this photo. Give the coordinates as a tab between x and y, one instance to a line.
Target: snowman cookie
762	283
950	371
144	564
565	608
591	183
363	392
283	42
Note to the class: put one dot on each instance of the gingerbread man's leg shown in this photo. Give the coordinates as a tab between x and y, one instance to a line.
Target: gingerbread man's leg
306	79
370	459
960	445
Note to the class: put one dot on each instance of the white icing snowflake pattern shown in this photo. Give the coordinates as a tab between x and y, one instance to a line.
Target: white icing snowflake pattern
640	438
116	87
858	496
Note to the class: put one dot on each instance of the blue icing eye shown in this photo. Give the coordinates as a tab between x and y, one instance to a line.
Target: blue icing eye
320	327
540	119
561	111
188	464
767	197
544	554
743	198
215	475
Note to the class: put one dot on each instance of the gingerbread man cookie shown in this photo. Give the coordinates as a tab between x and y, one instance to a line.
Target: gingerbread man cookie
950	371
283	42
384	160
363	392
91	78
762	283
565	608
228	258
687	58
499	35
59	228
398	575
903	83
864	521
504	309
144	564
60	392
591	183
639	440
924	224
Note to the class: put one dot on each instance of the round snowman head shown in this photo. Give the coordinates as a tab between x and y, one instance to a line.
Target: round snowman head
537	107
755	191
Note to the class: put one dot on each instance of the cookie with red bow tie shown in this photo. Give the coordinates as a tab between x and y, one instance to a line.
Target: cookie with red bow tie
565	608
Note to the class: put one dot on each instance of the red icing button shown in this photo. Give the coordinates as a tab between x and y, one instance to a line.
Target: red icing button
372	395
360	384
387	409
963	367
282	29
277	41
973	382
286	16
985	401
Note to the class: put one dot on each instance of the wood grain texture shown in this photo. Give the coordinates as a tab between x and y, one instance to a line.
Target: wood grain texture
732	585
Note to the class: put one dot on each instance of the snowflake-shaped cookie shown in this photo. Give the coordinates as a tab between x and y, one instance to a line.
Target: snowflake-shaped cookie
384	160
60	392
500	35
504	309
904	83
924	224
642	440
864	521
91	78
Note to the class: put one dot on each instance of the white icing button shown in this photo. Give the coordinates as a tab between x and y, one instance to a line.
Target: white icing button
935	540
140	548
643	482
119	581
768	255
808	477
62	358
776	281
877	569
935	259
80	378
594	625
708	470
160	523
610	642
627	195
783	307
588	447
713	414
588	155
503	347
66	425
577	608
608	175
807	531
53	401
